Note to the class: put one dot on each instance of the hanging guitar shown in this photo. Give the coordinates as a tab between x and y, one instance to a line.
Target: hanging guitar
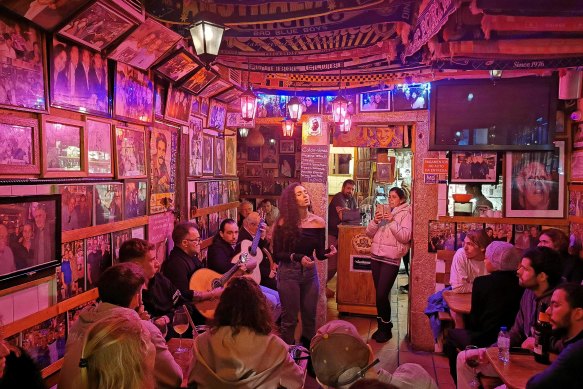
205	280
250	251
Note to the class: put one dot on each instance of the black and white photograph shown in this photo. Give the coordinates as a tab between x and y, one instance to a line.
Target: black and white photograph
207	154
195	146
134	94
178	105
108	203
178	65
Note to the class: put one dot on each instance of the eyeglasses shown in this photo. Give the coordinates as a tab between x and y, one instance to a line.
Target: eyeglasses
196	240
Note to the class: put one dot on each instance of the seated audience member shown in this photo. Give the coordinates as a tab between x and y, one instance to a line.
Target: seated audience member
566	312
120	290
160	296
468	261
240	350
271	212
117	353
17	369
572	264
245	208
181	264
539	273
573	270
222	250
341	357
267	267
495	302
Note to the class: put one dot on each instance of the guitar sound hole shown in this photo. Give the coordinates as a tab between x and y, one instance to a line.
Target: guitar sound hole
216	284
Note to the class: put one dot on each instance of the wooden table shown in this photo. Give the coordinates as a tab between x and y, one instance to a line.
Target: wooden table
183	359
458	302
518	371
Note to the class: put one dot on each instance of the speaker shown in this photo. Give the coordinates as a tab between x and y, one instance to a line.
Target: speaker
570	84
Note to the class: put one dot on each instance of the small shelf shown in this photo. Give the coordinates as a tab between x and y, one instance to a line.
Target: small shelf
505	220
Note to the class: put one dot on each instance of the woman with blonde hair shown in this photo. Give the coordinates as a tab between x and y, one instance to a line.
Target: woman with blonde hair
117	354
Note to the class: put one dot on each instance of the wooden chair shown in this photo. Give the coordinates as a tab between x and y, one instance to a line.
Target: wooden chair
443	261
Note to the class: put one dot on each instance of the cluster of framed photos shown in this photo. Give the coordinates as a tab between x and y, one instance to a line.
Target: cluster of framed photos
205	194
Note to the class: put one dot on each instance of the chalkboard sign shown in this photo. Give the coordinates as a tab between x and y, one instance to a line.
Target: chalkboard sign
314	167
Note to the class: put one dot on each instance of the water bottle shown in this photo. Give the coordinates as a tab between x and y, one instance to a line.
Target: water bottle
504	345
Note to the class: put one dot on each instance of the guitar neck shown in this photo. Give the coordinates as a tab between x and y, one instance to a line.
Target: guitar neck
256	239
225	277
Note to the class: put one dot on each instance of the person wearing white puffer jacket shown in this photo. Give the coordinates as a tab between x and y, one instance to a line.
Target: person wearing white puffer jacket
391	234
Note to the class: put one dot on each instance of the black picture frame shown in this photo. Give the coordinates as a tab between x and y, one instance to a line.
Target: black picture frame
480	167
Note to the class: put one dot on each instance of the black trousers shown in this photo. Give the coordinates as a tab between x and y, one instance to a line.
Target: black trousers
384	276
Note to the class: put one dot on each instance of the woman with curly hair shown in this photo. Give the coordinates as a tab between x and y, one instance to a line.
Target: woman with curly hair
239	351
298	239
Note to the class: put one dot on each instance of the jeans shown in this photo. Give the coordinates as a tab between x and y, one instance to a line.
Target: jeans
298	289
273	302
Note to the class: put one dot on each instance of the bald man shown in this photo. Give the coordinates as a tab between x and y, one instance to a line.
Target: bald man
251	224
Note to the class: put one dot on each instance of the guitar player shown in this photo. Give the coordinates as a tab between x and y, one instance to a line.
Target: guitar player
267	267
222	250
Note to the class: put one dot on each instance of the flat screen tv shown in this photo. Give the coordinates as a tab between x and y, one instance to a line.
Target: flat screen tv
483	114
30	234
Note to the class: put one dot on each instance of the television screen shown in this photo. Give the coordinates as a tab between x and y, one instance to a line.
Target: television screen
502	114
30	234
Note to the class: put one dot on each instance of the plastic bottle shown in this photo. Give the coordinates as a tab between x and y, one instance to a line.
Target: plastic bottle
504	345
542	337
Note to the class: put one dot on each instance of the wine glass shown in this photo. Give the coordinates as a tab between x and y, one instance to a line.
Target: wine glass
472	357
180	324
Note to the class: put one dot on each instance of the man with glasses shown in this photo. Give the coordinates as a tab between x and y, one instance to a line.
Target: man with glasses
181	264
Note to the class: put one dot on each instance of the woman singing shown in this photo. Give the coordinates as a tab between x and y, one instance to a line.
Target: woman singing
391	233
298	239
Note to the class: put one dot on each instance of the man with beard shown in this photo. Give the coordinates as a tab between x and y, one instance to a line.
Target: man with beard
160	174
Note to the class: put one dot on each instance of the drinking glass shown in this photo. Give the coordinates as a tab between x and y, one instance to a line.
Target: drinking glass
180	324
472	357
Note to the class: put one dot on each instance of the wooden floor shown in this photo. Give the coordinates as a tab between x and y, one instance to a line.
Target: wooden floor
397	350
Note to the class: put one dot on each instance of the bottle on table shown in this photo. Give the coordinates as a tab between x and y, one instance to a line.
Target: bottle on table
504	345
542	337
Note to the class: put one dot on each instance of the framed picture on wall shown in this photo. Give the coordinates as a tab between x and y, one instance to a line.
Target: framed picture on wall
177	65
375	101
217	115
20	139
230	154
22	82
130	152
64	146
199	80
43	15
195	146
97	26
135	198
535	183
219	158
311	104
287	165
576	200
473	166
133	94
145	45
160	96
76	206
287	146
53	328
577	130
228	95
253	170
576	166
351	110
269	106
207	154
410	97
68	275
99	147
178	105
441	236
79	78
216	87
109	200
161	161
204	106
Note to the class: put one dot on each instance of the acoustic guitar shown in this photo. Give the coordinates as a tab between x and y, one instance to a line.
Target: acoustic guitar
205	280
249	250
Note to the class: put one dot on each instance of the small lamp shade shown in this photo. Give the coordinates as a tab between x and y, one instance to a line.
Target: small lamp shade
255	138
339	109
287	127
295	109
206	37
344	127
248	105
243	132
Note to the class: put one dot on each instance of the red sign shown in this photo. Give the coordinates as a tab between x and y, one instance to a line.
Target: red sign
435	166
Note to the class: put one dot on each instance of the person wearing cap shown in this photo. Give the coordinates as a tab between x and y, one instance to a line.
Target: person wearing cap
495	302
341	357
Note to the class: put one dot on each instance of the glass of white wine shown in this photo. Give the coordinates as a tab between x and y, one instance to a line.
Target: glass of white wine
180	325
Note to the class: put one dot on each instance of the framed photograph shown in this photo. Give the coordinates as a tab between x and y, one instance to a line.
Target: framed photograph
22	72
219	157
99	147
501	232
199	80
195	109
45	342
145	45
313	125
577	130
76	206
351	110
287	146
203	226
217	115
68	273
441	236
576	200
535	183
40	246
78	79
134	94
195	146
230	155
109	201
135	198
213	224
410	97
48	15
271	106
160	158
385	172
99	258
462	230
178	65
228	95
287	165
254	154
560	123
160	96
178	105
213	193
19	142
130	152
216	87
202	194
473	166
375	101
204	106
65	147
253	169
576	166
97	26
311	104
526	236
207	154
269	155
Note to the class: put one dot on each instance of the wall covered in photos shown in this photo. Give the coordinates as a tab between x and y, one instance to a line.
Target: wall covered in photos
107	120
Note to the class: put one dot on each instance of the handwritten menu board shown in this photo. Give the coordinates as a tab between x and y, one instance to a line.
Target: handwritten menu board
314	165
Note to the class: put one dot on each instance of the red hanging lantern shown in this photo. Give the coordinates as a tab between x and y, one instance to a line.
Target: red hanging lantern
339	109
287	127
248	104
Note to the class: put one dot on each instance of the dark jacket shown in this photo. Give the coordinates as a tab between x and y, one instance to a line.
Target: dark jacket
178	268
264	265
21	372
495	302
162	297
220	254
339	200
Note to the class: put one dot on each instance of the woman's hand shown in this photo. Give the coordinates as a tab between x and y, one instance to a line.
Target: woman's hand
307	262
389	217
332	252
378	215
